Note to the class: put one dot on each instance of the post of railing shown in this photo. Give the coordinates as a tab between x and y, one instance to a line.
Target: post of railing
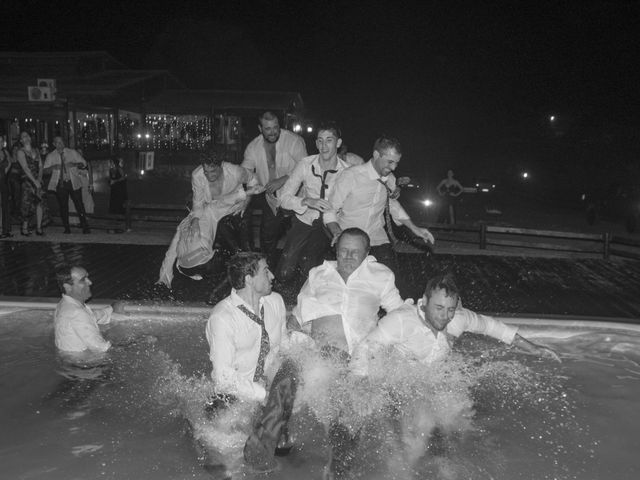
606	240
127	215
483	236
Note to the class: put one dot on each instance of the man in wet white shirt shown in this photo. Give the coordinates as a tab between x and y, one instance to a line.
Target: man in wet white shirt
314	176
424	332
247	336
75	323
362	193
272	155
219	203
339	303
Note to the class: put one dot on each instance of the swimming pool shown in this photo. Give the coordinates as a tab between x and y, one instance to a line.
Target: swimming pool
507	416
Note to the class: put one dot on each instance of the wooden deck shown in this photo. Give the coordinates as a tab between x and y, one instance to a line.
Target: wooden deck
505	284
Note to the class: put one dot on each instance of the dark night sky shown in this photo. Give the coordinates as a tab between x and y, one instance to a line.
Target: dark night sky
455	81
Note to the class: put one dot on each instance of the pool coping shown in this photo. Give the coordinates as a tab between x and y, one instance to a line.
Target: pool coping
519	319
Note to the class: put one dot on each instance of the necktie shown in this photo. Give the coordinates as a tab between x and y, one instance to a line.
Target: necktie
264	340
63	169
387	214
323	185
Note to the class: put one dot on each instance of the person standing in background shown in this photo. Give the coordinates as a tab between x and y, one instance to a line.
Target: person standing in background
5	166
33	198
64	162
118	183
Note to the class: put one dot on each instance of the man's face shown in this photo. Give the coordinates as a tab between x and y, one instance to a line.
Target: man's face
58	143
261	281
80	287
350	253
386	162
327	144
439	309
270	130
212	172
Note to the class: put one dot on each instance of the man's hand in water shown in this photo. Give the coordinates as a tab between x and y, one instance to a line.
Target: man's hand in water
535	349
118	307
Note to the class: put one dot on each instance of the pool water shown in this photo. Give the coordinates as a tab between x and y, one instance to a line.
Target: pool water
134	413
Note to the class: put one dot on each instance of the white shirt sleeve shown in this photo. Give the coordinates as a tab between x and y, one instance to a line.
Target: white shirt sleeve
288	198
466	320
390	298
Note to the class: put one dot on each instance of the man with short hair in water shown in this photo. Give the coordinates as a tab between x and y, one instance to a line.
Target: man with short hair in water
75	323
272	155
423	333
219	203
246	333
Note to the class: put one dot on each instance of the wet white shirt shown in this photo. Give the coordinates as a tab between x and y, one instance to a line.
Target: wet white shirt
303	176
290	149
70	156
234	342
369	287
405	329
76	326
359	199
231	192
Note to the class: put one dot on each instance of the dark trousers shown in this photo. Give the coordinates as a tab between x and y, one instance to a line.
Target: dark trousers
272	423
232	234
4	207
304	247
64	190
272	227
15	191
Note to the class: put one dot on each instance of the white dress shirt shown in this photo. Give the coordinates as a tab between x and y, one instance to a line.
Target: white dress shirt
193	251
234	341
70	156
76	326
290	149
359	199
303	175
369	287
405	329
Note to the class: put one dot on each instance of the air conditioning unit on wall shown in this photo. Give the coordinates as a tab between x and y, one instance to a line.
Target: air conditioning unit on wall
40	94
47	82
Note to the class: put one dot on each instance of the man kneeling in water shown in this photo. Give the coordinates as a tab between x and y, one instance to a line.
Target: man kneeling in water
423	332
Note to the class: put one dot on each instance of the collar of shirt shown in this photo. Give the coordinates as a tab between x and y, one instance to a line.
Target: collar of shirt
236	300
340	165
70	299
333	265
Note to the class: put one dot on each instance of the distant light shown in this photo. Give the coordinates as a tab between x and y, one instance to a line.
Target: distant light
493	186
309	129
485	189
583	197
525	174
427	203
139	135
552	118
146	135
477	185
297	128
141	172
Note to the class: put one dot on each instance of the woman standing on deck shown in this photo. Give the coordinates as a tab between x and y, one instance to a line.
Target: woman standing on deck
449	189
33	196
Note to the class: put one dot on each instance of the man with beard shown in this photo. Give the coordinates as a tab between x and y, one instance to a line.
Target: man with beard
272	155
308	238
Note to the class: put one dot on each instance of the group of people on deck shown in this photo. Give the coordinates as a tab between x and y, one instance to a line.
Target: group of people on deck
253	341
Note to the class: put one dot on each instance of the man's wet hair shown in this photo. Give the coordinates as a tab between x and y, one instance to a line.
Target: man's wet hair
329	126
210	157
63	275
442	281
241	265
355	232
268	116
384	144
